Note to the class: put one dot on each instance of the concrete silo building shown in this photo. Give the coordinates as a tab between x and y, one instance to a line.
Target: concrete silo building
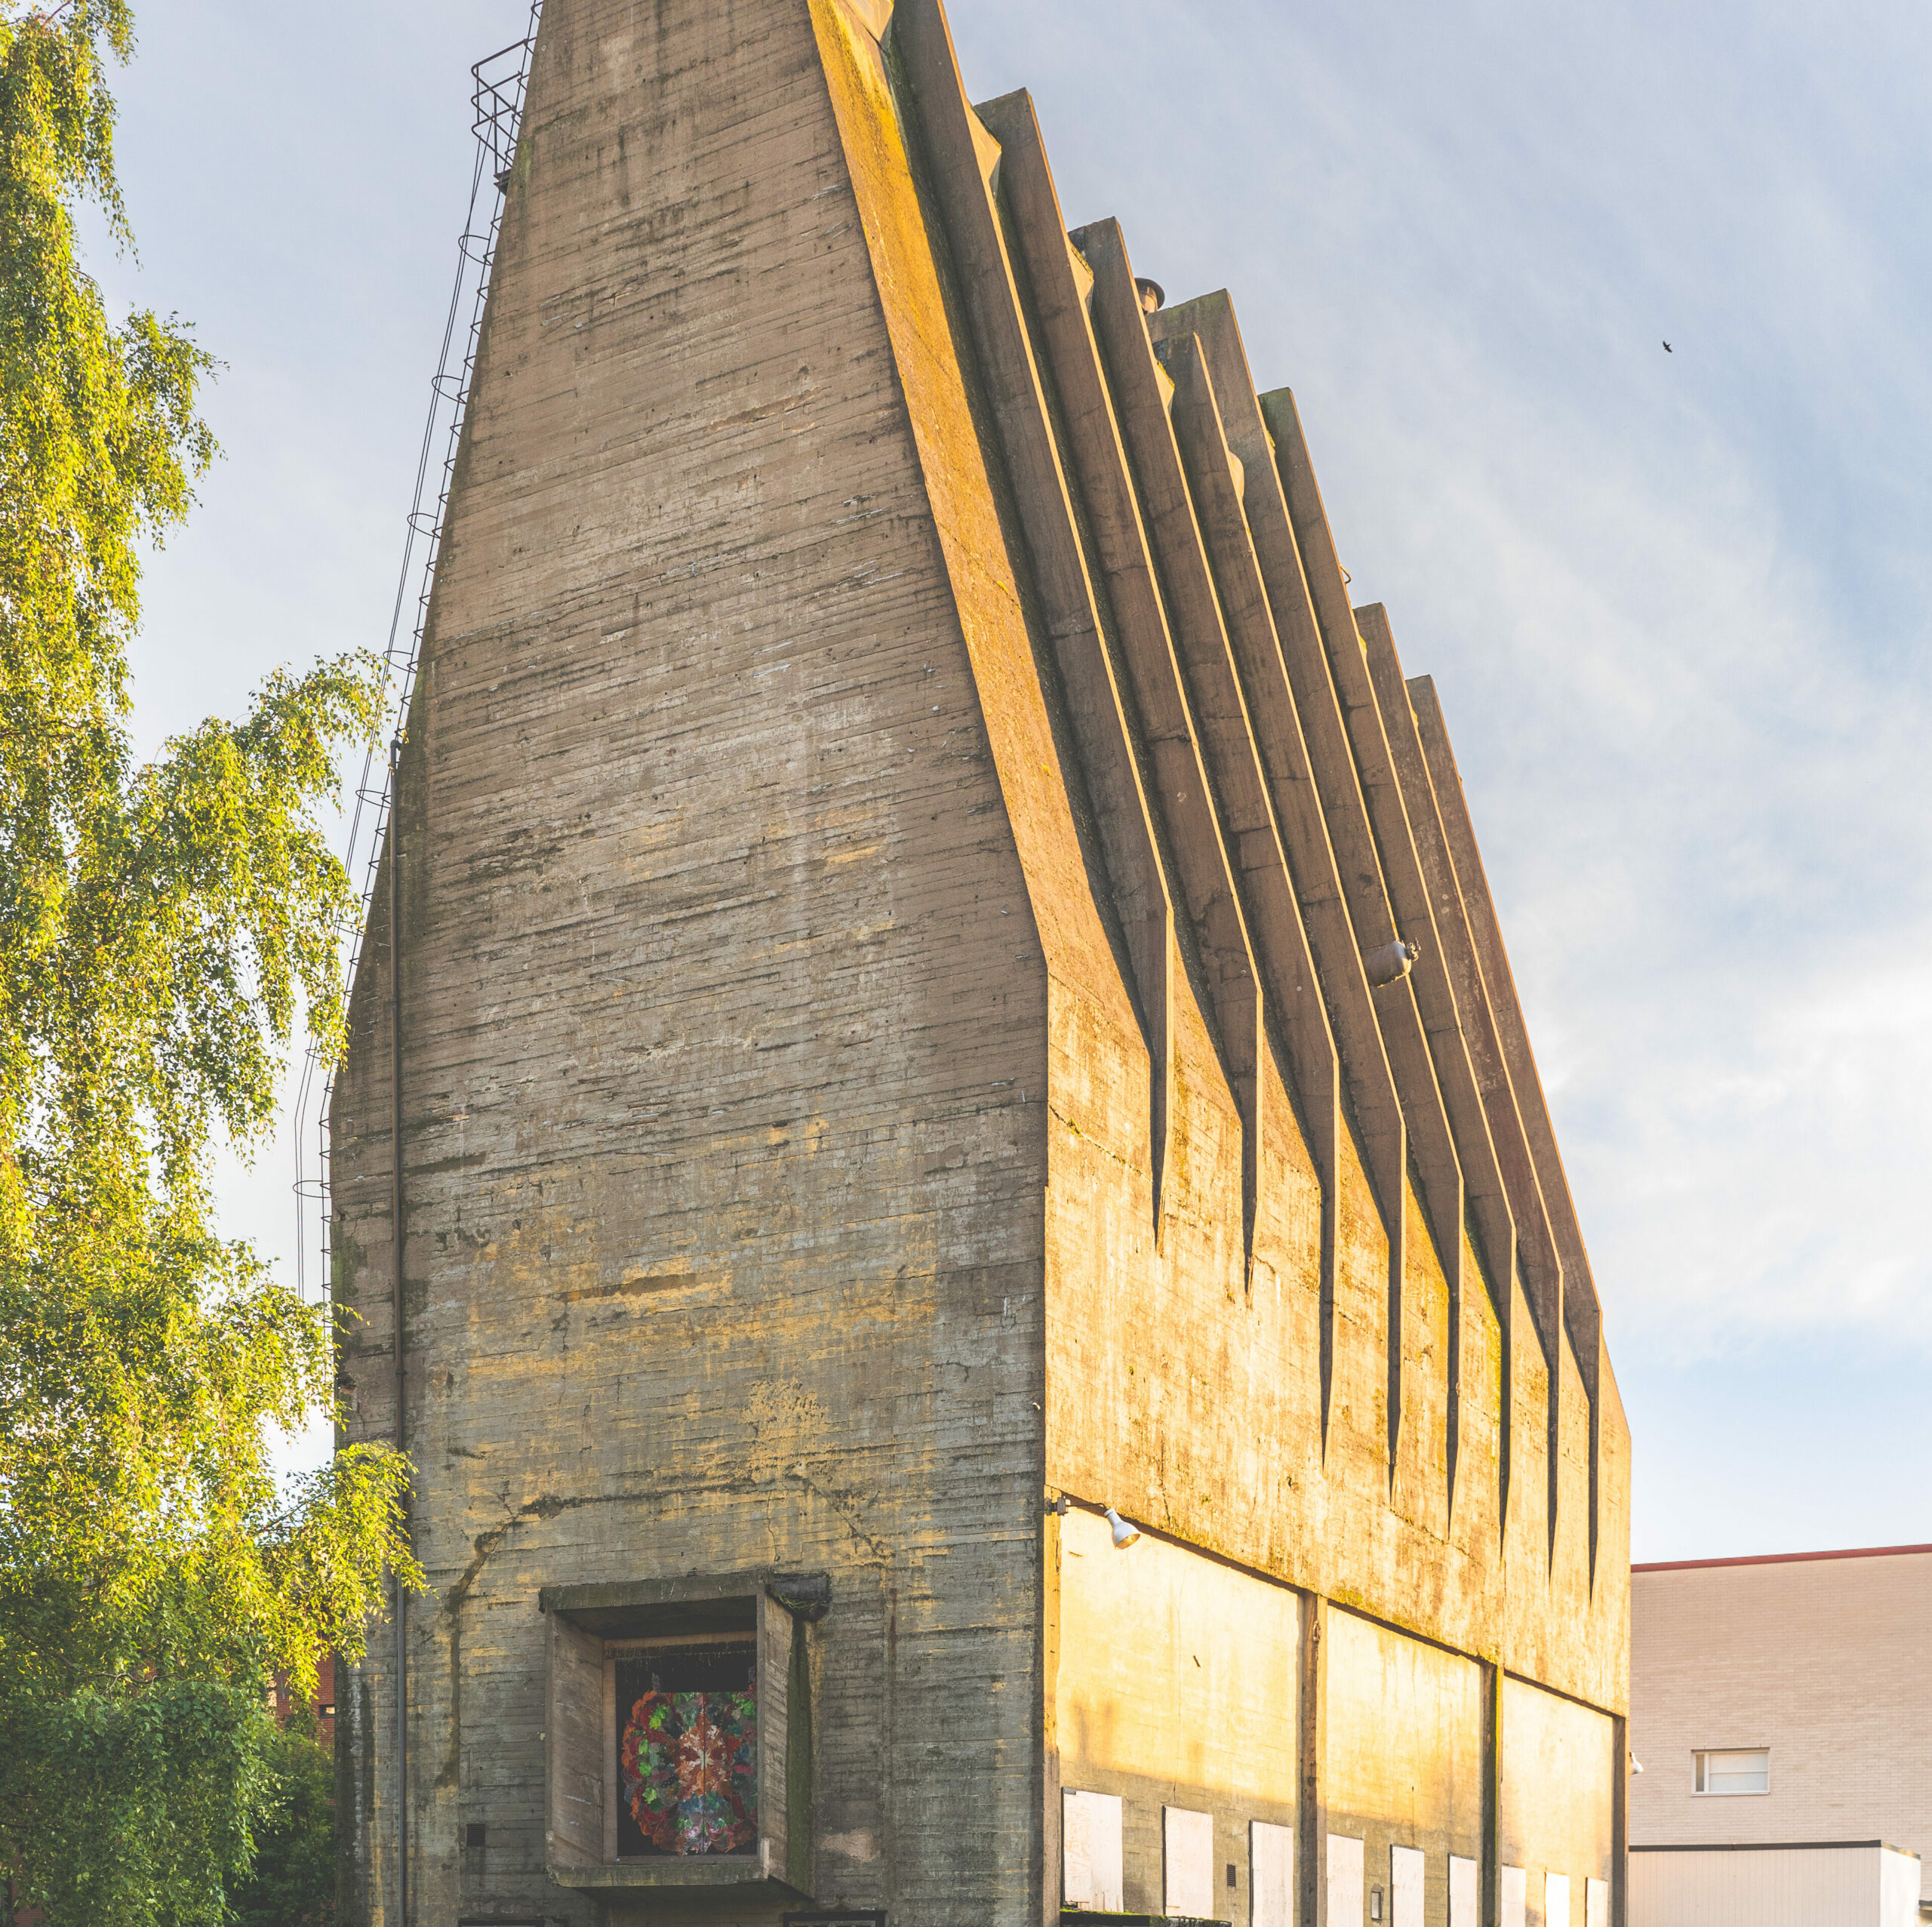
945	988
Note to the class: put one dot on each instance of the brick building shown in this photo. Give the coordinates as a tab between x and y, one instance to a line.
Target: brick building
990	1314
1778	1705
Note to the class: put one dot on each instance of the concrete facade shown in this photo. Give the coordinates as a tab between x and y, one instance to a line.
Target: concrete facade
903	848
1820	1661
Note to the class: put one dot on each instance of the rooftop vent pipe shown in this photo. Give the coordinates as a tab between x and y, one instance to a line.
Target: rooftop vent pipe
1153	296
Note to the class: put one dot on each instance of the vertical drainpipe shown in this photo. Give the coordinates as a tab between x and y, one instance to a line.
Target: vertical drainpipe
397	1338
1311	1794
1491	1870
1620	1826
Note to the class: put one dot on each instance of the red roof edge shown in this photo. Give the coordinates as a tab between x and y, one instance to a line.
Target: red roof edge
1780	1558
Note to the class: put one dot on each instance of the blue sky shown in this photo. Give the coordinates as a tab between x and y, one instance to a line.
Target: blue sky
1676	605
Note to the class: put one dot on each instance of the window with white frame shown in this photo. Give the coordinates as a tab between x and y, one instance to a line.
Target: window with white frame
1737	1770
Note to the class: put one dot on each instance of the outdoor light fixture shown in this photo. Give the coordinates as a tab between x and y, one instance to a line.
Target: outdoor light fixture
1124	1535
1391	963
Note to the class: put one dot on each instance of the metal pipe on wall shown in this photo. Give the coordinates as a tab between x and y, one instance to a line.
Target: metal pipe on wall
398	1339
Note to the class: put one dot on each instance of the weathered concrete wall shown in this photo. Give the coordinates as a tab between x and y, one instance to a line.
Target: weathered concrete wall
1176	1681
895	807
725	1000
1559	1768
1406	1752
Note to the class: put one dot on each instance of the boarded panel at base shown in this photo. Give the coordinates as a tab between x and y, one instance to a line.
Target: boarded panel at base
574	1730
1270	1867
1405	1751
1465	1896
1090	1846
774	1671
1515	1897
1187	1843
1179	1683
1345	1881
1405	1872
1556	1901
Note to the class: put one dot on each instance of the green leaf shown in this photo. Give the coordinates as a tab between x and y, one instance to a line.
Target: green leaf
166	932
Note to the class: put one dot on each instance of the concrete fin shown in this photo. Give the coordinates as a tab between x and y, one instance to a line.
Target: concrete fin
1373	1104
1184	497
1393	884
1447	1022
1129	482
1535	1250
1578	1310
1089	689
1079	418
1287	526
1191	477
1246	594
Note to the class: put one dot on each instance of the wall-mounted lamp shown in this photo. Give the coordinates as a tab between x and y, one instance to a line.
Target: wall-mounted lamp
1391	963
1124	1535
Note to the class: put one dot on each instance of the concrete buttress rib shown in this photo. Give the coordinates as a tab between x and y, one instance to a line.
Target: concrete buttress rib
1231	998
1274	841
1306	621
1243	807
1228	739
1235	430
1535	1250
1581	1315
965	154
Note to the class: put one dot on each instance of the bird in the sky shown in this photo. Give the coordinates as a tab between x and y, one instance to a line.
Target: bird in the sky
1668	349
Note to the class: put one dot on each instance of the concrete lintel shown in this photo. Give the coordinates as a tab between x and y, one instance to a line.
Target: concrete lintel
603	1595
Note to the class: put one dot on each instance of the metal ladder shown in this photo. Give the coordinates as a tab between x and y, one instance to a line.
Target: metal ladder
500	83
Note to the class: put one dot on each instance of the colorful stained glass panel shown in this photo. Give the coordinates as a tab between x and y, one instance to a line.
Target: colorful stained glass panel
687	1750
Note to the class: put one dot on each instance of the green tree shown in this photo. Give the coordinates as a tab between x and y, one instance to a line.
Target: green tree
292	1883
163	930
